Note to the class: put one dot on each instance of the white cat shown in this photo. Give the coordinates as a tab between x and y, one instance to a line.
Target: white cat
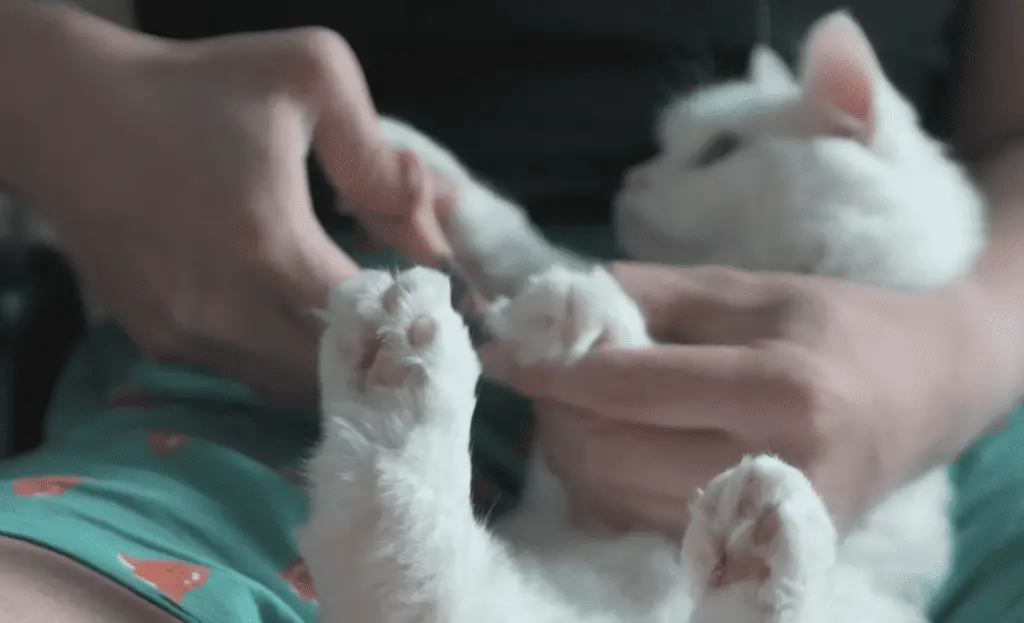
828	173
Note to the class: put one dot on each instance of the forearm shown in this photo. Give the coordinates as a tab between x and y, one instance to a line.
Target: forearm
990	303
988	115
998	276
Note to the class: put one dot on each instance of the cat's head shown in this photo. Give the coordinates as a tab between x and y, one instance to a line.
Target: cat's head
733	153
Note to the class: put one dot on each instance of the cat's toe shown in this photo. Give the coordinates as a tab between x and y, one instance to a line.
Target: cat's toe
352	319
562	314
760	525
421	339
355	303
397	356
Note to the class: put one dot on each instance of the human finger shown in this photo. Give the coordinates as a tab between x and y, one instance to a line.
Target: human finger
620	511
314	71
590	449
417	232
305	271
382	182
326	77
704	305
725	388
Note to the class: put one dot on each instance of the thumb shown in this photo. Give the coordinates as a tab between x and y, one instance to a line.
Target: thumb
701	305
390	186
416	232
314	266
346	134
308	263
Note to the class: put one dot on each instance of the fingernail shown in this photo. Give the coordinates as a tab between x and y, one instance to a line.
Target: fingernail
429	230
416	179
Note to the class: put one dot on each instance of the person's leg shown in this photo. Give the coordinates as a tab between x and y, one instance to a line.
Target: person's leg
37	584
174	497
160	494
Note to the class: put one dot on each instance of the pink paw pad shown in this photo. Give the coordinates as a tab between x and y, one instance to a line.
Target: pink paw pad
381	362
743	554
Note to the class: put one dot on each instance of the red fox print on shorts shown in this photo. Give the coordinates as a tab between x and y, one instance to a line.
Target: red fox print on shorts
297	574
45	486
163	443
172	578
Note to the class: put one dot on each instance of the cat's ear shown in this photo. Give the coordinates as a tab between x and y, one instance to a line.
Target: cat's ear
767	69
840	76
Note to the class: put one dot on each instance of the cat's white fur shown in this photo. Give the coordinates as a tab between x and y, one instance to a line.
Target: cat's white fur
797	197
835	180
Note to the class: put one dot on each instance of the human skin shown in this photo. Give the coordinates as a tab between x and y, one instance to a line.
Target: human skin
174	174
207	178
984	313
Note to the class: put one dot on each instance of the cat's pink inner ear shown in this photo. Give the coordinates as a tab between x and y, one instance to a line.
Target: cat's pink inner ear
840	72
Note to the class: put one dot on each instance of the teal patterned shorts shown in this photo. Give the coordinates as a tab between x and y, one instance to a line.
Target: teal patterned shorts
185	488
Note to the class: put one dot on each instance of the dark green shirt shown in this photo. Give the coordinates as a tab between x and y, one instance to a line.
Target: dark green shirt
550	100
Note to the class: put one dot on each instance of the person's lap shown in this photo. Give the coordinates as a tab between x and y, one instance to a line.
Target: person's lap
172	489
164	494
166	481
38	584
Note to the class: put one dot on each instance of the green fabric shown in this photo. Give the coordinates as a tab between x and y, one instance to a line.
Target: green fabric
184	486
170	471
192	480
987	584
550	100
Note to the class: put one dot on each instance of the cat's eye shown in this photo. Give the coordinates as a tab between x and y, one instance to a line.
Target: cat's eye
717	148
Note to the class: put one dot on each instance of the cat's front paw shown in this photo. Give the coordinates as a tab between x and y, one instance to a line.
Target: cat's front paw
759	528
562	314
395	354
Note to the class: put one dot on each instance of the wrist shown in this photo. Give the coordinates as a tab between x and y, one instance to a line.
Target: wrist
993	324
982	368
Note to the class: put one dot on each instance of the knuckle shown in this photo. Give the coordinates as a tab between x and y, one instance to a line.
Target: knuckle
315	53
812	394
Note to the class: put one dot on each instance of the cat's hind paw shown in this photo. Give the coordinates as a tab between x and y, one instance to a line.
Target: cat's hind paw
562	314
761	534
395	353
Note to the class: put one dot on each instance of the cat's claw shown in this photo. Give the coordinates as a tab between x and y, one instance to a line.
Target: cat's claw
562	314
761	527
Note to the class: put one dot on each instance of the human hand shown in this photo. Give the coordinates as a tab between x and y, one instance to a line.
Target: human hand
174	175
857	386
